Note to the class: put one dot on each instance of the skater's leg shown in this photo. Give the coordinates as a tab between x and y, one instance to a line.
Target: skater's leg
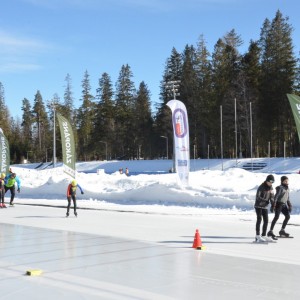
69	204
75	205
286	213
276	217
12	194
266	221
258	219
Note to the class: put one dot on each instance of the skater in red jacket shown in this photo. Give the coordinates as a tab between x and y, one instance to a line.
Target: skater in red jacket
71	195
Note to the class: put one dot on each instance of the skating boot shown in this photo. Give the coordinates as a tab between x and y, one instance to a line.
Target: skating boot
75	213
260	239
282	233
272	235
67	214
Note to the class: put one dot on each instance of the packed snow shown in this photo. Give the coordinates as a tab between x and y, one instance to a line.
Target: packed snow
214	184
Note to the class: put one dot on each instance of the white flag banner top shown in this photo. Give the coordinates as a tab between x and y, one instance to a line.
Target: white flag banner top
181	140
4	153
68	145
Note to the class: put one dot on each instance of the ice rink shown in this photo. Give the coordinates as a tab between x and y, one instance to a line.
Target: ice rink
114	254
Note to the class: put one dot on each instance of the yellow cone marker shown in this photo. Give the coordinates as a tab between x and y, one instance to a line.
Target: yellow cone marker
34	272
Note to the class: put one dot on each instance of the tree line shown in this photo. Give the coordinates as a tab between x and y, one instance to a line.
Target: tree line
116	121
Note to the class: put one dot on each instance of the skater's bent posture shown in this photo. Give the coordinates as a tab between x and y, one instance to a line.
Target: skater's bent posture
71	195
10	184
264	196
283	205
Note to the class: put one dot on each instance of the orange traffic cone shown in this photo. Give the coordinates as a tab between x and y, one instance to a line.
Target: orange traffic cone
197	241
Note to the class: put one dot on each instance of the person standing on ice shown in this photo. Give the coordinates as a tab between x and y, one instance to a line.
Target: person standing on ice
71	195
10	184
283	205
2	191
264	196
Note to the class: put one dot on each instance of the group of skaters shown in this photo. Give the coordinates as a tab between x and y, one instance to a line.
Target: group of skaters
279	203
121	171
8	183
11	180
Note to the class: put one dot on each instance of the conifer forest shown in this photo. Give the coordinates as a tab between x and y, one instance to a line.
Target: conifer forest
118	120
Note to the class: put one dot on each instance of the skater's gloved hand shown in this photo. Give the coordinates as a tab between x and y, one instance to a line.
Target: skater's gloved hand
272	208
18	190
82	192
289	206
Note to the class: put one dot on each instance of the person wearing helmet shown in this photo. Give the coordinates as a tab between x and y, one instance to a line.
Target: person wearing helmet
71	195
2	192
10	184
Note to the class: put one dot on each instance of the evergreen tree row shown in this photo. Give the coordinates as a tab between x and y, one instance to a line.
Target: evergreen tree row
117	122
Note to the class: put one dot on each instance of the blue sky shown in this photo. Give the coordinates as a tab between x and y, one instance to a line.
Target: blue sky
43	40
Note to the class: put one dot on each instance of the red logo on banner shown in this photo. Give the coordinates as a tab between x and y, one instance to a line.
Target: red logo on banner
180	123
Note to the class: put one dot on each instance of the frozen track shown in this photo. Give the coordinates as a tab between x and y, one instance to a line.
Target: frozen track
77	264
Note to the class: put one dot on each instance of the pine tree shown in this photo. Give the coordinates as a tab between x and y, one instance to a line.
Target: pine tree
205	104
68	104
189	92
163	119
248	86
17	149
125	104
278	77
104	130
42	130
27	122
4	113
226	65
143	121
85	120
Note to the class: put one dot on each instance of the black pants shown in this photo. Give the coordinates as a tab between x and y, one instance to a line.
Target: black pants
261	213
12	192
73	197
2	195
281	208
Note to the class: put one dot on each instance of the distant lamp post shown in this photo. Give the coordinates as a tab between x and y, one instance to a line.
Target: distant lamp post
105	148
172	86
167	144
47	153
27	154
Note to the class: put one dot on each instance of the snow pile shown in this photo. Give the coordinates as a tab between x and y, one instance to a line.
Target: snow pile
232	188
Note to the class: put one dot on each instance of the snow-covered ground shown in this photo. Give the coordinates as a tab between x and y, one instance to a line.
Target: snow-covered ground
151	207
154	188
214	195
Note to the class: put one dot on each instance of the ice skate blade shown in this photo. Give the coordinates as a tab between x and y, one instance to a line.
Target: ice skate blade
260	242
